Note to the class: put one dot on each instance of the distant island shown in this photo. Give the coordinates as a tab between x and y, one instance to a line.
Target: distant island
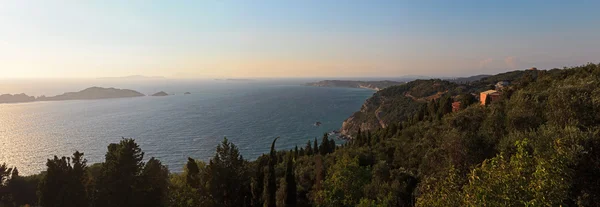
187	93
17	98
374	85
233	79
162	93
86	94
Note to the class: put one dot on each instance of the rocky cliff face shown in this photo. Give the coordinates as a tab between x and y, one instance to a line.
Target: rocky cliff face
367	118
395	104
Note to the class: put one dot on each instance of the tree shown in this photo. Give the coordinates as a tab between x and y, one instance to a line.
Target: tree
445	105
332	145
271	181
227	176
5	179
296	152
119	183
290	181
359	138
316	147
155	184
444	191
64	184
193	174
180	193
309	149
466	100
524	179
324	149
344	183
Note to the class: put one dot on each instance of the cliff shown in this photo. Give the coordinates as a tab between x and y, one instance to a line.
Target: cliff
395	104
374	85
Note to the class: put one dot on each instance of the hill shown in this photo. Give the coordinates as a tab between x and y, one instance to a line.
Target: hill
537	145
398	103
93	93
374	85
16	98
162	93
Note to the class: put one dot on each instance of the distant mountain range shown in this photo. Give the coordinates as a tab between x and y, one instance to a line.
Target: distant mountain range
374	85
86	94
381	84
133	77
467	79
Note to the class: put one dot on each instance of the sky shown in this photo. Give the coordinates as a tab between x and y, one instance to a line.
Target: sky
245	39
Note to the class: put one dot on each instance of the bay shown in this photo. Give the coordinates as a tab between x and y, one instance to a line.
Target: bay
249	113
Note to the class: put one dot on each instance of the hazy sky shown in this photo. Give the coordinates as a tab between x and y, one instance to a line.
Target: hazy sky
209	39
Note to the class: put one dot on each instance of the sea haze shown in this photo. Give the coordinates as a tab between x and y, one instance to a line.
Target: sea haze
249	113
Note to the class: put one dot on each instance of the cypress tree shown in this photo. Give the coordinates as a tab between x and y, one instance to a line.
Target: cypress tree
258	182
332	145
324	145
193	173
309	150
316	147
271	186
290	180
296	153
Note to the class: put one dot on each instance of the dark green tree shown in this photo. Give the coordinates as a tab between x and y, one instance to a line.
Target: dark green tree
271	181
466	100
119	182
64	184
309	149
324	149
290	181
5	179
316	147
155	184
227	176
193	174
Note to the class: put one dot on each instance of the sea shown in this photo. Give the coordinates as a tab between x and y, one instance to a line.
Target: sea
249	113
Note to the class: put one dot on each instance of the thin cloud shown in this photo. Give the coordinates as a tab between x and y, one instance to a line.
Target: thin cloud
486	62
511	62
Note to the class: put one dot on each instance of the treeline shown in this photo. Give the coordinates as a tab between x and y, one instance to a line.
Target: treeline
538	145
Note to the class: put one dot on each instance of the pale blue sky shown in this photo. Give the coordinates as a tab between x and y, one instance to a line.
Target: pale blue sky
206	39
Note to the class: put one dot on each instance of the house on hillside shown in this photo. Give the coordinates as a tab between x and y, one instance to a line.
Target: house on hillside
489	96
455	106
501	84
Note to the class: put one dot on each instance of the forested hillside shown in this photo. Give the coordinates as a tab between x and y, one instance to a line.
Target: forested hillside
538	145
396	104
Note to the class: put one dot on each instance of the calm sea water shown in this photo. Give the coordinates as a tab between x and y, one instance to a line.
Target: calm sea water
172	128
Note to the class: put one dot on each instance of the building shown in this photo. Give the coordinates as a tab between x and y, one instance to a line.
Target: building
455	106
489	96
501	84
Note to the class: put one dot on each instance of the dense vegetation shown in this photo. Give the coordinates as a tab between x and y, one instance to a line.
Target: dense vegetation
399	103
539	145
